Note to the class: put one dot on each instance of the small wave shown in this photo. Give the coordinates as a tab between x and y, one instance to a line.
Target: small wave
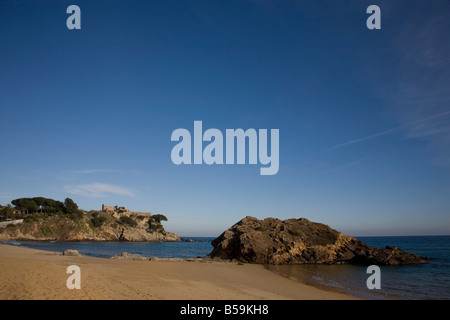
14	243
327	282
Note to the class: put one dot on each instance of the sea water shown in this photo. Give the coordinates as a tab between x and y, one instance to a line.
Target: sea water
199	247
427	281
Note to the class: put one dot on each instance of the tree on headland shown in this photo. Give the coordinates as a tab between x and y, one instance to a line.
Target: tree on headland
47	206
25	204
71	209
40	202
30	205
154	223
158	218
7	212
53	206
70	206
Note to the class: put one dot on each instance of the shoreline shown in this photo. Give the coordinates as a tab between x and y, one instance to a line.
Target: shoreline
31	274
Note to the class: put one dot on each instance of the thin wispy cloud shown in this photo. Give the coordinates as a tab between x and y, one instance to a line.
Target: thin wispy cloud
347	165
418	126
98	190
423	84
373	136
92	171
412	78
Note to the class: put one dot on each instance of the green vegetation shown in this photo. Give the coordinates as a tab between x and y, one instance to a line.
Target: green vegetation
71	209
97	221
295	232
38	204
40	207
156	228
7	213
83	225
46	230
154	223
58	219
70	206
158	218
128	221
45	218
261	228
34	217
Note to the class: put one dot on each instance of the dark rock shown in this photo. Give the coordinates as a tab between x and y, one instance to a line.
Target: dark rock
300	241
192	240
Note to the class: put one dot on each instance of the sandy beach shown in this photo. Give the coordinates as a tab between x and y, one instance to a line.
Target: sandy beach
36	275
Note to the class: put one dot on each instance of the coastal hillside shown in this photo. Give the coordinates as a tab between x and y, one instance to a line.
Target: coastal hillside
92	226
46	219
300	241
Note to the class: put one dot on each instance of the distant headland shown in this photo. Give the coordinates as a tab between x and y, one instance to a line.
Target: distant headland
42	218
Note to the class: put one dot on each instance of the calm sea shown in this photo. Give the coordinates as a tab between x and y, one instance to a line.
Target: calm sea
200	247
428	281
423	282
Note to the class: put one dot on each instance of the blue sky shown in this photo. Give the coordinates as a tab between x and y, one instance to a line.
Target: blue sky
364	115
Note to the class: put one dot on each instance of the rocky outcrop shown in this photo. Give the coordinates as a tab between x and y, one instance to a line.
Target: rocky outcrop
138	257
71	253
141	234
65	229
300	241
129	256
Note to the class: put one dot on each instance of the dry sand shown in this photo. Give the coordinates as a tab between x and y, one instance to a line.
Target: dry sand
34	274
